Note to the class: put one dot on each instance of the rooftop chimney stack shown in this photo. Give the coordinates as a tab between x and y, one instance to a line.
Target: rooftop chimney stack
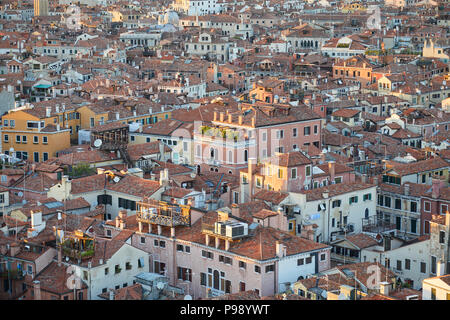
332	169
384	288
37	290
440	268
406	189
48	111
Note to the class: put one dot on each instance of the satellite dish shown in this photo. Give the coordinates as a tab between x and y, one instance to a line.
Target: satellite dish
116	179
187	297
97	143
160	285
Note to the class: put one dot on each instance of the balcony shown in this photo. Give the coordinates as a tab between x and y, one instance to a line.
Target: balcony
376	224
163	213
78	246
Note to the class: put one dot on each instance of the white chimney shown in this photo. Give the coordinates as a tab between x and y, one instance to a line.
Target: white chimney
36	219
150	110
440	268
48	111
111	294
280	249
57	108
384	288
117	116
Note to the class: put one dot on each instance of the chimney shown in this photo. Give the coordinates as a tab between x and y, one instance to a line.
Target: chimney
37	290
215	115
280	249
254	122
48	111
161	151
111	294
440	268
117	116
235	210
150	110
57	108
117	222
123	219
436	188
332	169
384	288
164	177
406	189
221	117
230	118
59	256
240	120
36	219
447	219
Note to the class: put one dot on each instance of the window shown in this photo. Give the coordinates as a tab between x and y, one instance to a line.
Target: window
316	129
203	279
353	200
257	269
367	196
336	203
18	139
128	266
413	206
207	254
308	260
35	139
398	204
433	293
399	265
407	264
44	139
12	123
180	248
444	208
140	262
280	134
184	274
117	269
242	265
323	256
106	271
308	171
6	138
307	131
280	173
142	239
294	132
300	262
5	123
442	237
433	265
187	249
423	267
241	286
270	268
294	173
387	202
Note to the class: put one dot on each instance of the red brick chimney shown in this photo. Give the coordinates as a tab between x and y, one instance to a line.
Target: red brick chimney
332	170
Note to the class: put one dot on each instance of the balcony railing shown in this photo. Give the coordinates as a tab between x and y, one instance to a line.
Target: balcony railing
164	214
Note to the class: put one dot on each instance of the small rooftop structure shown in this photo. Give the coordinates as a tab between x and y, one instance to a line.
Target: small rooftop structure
163	213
